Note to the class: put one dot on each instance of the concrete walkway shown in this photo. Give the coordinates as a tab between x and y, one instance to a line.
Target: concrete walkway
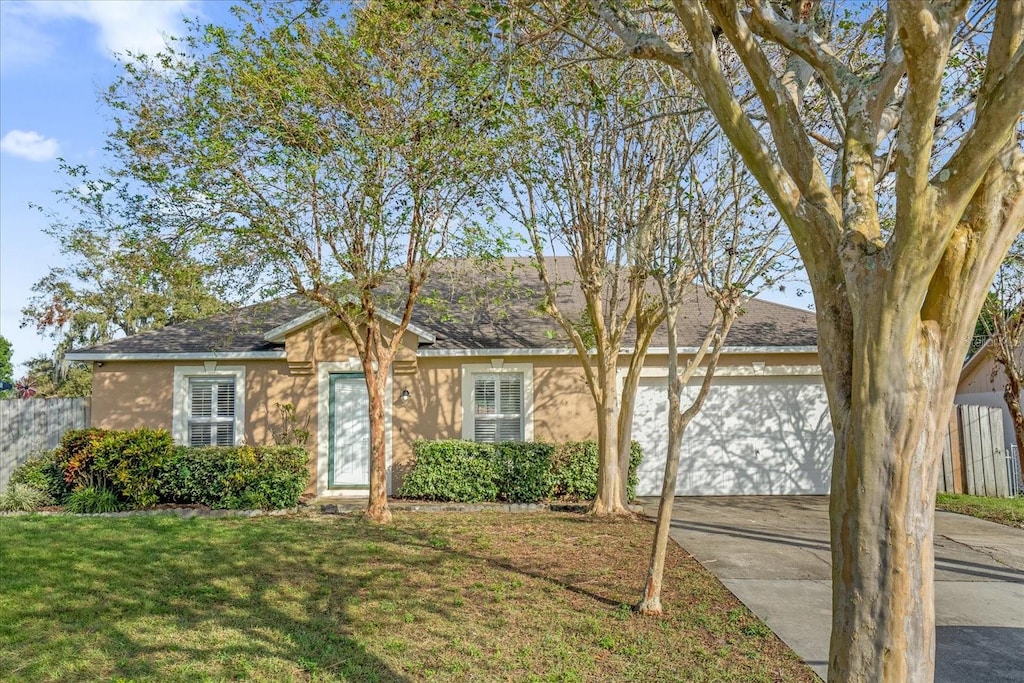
773	554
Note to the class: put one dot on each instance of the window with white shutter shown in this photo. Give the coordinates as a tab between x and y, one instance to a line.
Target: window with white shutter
498	407
211	411
209	404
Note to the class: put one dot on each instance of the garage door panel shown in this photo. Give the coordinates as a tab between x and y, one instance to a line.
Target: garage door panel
768	436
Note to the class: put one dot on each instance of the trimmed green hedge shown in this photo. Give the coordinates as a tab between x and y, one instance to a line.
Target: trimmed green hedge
517	472
93	470
452	470
575	470
236	478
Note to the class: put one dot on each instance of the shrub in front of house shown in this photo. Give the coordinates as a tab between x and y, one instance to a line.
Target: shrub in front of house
517	472
236	478
42	473
525	472
575	470
452	470
96	470
129	462
74	456
125	464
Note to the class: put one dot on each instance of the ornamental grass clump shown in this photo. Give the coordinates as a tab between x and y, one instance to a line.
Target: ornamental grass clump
20	497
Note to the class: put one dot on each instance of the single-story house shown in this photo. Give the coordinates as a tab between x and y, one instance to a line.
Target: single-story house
496	370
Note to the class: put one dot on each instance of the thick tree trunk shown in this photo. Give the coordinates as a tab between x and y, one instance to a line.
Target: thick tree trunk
882	507
609	476
378	510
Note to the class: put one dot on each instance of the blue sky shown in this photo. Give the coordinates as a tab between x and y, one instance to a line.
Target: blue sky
54	59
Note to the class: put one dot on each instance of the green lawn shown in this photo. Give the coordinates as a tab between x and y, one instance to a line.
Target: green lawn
485	597
1008	511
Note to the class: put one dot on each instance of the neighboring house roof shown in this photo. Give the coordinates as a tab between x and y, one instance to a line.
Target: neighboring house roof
460	310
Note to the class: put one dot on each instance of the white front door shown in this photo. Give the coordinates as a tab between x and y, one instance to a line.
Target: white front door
350	432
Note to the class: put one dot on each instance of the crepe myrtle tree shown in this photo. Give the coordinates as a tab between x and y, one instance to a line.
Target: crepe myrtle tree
721	239
590	173
346	155
901	222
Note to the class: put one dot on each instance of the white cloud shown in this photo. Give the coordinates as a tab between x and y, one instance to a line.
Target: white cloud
137	26
30	145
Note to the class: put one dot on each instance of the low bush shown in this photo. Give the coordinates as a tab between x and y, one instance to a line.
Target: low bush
125	463
43	473
244	477
130	463
452	470
518	472
75	455
575	470
22	497
92	500
524	471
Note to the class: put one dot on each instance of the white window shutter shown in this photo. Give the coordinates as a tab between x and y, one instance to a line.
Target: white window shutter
498	407
211	411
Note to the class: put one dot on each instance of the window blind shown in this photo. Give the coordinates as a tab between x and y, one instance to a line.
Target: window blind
498	407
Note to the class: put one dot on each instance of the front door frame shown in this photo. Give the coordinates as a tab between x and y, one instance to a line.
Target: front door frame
324	437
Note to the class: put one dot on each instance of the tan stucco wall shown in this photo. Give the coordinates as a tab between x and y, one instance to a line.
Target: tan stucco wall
129	394
562	404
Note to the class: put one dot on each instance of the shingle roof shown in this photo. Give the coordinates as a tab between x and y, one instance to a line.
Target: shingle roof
471	310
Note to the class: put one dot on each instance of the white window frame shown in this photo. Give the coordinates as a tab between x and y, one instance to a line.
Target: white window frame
181	412
496	366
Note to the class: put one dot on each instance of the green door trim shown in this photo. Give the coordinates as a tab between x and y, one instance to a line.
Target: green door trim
330	435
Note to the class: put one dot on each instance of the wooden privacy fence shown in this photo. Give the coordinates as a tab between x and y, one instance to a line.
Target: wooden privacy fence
974	457
34	424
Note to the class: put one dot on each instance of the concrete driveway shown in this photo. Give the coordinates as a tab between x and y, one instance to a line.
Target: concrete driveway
773	554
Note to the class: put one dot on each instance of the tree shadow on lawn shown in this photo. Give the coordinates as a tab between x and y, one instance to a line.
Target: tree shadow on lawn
161	598
166	599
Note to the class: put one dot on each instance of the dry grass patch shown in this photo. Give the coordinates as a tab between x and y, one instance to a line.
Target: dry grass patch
485	597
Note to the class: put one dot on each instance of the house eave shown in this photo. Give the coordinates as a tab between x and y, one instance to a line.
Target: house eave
974	361
428	353
85	356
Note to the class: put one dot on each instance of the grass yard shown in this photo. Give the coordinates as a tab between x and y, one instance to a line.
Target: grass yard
1008	511
483	597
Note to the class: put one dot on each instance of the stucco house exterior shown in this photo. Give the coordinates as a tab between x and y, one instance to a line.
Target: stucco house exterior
483	372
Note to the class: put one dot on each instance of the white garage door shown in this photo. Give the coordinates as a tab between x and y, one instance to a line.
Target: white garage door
755	435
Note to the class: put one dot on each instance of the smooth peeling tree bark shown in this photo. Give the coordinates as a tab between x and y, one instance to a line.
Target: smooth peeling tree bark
891	304
377	509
